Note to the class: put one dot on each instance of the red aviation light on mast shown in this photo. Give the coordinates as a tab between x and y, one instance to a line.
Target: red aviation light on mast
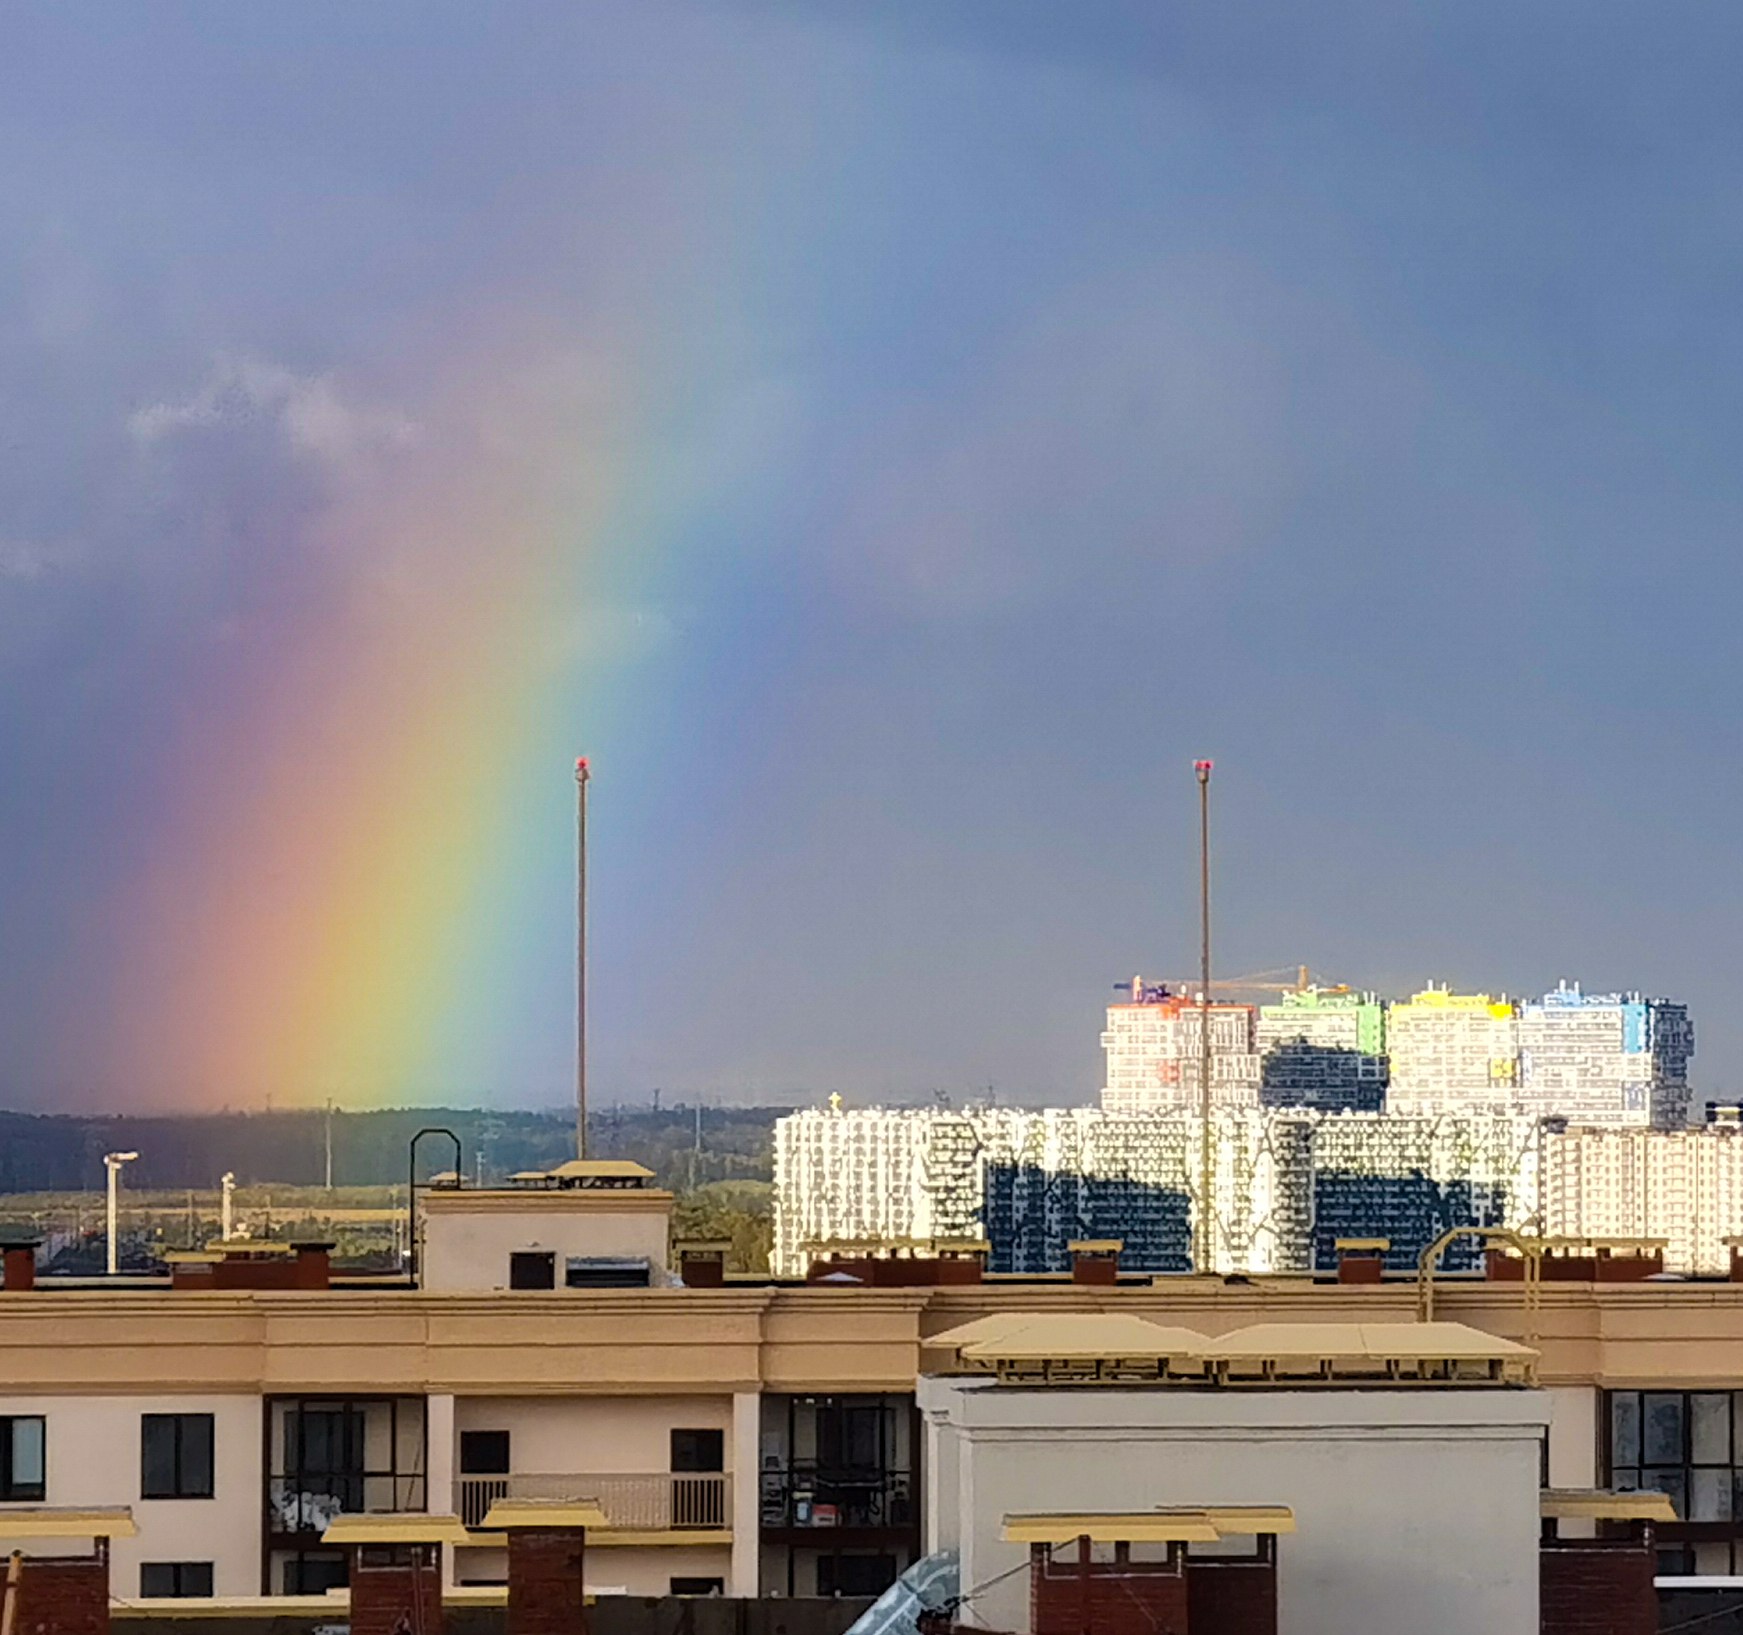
1202	768
581	772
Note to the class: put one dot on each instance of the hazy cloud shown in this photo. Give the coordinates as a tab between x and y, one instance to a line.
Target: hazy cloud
31	559
316	420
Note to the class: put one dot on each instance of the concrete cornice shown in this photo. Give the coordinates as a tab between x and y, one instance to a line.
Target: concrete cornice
552	1201
746	1336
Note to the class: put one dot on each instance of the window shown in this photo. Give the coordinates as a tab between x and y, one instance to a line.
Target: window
484	1453
699	1586
312	1572
484	1466
175	1579
1679	1443
175	1458
23	1458
332	1455
606	1272
698	1451
1688	1445
698	1492
855	1575
532	1269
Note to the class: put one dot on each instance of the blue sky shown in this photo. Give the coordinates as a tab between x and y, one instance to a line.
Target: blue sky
1346	392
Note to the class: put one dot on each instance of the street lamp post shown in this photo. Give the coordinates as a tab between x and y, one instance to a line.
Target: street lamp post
112	1162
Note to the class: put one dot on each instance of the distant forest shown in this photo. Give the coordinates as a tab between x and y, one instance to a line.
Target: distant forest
53	1153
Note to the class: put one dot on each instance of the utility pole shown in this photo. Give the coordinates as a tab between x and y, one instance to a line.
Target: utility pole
329	1144
112	1162
581	777
1205	1259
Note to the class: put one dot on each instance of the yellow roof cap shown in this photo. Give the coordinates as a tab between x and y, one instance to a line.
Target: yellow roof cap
1372	1342
506	1514
1085	1335
601	1169
1114	1527
405	1527
59	1521
1246	1520
994	1326
1600	1504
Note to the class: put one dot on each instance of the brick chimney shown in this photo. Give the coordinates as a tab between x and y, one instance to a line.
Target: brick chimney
547	1551
961	1260
1362	1260
314	1265
394	1565
20	1263
702	1262
1095	1260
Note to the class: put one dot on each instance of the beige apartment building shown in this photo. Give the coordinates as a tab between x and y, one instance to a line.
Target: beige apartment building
750	1438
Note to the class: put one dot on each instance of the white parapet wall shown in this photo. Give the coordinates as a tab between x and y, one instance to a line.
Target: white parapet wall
1416	1509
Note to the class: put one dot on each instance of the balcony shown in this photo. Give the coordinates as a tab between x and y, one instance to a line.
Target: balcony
802	1495
658	1503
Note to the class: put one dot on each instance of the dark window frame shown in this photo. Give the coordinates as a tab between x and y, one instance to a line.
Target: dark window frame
856	1573
313	1572
532	1269
305	1490
10	1487
472	1448
696	1585
190	1477
698	1450
188	1580
1689	1481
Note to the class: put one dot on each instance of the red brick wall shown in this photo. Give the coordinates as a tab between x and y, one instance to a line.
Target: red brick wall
395	1600
1106	1599
545	1595
1597	1588
1232	1597
62	1596
1094	1269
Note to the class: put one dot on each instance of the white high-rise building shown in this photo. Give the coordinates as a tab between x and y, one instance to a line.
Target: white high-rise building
1685	1186
1605	1058
1452	1053
1154	1045
1285	1184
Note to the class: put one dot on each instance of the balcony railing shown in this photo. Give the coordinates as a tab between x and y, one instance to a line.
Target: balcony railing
632	1504
802	1494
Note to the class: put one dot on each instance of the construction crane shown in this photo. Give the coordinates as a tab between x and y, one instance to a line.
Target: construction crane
1274	981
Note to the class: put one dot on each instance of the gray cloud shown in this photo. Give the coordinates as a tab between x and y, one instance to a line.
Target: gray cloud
316	420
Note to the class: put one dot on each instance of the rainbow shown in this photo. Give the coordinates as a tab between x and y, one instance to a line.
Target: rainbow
371	798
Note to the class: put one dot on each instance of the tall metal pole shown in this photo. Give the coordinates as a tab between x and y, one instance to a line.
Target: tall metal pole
581	777
112	1162
1207	1241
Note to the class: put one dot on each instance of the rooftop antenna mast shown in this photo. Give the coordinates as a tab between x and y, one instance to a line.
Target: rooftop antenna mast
1204	1261
581	779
